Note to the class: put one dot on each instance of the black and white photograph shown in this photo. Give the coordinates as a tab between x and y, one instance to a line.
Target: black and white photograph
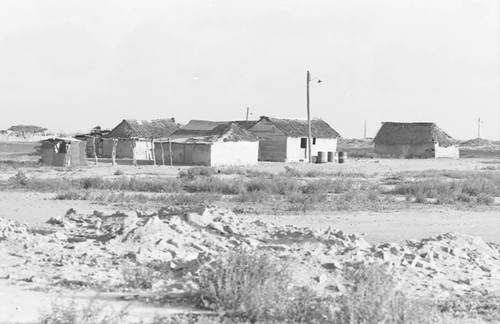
249	161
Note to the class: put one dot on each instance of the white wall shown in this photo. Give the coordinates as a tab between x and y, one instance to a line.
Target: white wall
234	153
295	153
446	152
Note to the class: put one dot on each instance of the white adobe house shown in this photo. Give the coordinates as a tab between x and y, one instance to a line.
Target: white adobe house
285	140
414	140
216	143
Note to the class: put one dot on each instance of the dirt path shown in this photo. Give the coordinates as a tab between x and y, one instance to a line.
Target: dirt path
23	305
35	207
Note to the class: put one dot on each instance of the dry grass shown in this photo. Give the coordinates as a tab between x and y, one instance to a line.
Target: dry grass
249	286
72	313
478	188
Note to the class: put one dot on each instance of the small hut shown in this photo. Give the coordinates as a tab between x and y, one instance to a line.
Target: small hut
414	140
226	144
135	137
65	152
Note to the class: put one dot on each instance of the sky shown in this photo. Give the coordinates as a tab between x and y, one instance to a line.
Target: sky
70	65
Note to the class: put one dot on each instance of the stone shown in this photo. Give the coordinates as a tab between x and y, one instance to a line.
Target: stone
60	236
195	219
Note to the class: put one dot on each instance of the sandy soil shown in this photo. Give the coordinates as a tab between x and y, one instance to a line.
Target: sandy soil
19	304
400	226
366	166
394	226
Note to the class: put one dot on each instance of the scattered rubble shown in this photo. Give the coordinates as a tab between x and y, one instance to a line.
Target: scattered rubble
81	251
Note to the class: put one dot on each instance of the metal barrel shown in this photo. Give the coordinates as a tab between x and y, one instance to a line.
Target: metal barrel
331	156
321	157
342	157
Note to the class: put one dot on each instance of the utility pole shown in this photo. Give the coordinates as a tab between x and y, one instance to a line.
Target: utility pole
364	136
479	127
308	119
248	112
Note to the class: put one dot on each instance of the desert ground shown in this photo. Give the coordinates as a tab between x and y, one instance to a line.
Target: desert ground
142	244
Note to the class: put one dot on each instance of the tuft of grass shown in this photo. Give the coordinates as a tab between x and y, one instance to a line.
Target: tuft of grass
119	172
215	185
202	199
479	189
92	313
485	307
197	171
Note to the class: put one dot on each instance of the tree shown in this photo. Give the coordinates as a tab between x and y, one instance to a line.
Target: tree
27	129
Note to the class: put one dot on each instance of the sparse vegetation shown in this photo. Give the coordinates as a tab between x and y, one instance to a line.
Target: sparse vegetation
472	189
249	286
91	313
252	286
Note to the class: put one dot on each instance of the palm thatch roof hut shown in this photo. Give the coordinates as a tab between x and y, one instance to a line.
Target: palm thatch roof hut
225	144
135	136
414	140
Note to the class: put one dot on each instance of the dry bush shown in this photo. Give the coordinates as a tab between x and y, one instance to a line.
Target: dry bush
370	297
140	276
245	285
252	286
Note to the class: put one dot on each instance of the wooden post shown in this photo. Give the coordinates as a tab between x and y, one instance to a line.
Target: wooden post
309	148
113	152
153	150
67	158
162	154
170	151
94	149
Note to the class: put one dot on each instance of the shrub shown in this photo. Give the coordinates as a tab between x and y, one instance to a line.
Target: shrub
20	179
370	297
139	276
247	285
369	288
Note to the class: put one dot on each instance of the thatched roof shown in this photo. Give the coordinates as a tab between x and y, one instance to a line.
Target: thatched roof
196	124
131	128
299	127
228	132
412	134
246	124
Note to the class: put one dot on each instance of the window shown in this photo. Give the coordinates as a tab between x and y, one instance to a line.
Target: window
303	142
314	141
